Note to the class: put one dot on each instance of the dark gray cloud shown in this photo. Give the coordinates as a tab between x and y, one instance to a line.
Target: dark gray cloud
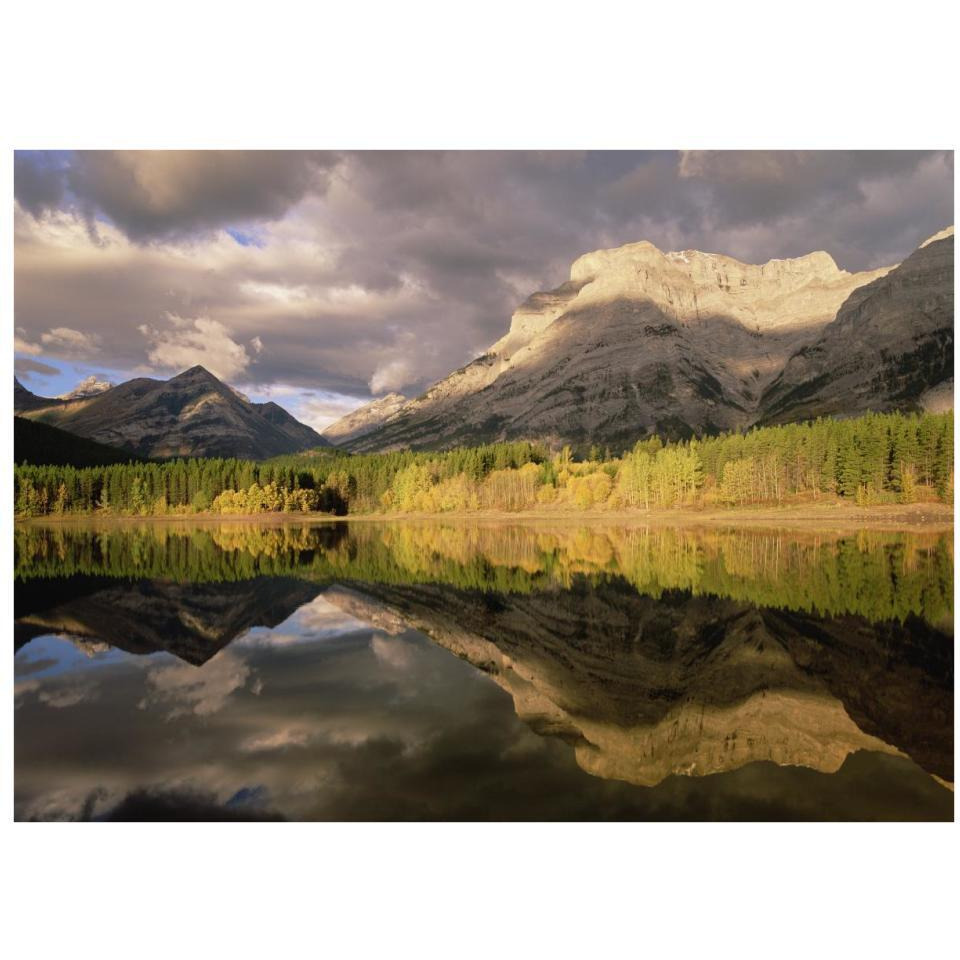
38	182
154	194
399	266
24	366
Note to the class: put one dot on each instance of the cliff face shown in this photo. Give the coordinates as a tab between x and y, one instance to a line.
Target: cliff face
680	343
193	414
890	346
361	421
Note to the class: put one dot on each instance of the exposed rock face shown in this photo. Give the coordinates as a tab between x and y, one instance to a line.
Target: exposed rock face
192	414
890	346
361	421
641	341
88	387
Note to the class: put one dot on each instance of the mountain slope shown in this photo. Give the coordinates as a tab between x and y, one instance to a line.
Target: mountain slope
299	434
890	346
637	341
364	419
24	400
39	443
193	414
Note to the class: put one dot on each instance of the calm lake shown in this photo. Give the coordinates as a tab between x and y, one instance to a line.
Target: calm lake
481	671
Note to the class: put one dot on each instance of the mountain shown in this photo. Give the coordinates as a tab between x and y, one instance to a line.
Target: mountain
192	415
25	401
88	387
890	346
39	443
681	343
299	434
364	419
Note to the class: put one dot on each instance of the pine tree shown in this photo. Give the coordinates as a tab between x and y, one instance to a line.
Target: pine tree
849	469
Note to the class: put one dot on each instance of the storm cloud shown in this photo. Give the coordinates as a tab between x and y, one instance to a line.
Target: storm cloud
153	194
321	277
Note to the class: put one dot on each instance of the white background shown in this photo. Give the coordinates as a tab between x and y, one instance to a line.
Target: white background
520	75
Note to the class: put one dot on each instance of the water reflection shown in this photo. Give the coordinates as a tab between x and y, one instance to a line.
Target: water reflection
305	672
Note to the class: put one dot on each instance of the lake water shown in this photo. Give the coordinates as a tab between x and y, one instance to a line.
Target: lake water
481	671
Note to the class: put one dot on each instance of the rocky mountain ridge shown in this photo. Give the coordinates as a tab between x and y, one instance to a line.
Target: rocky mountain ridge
192	415
890	346
364	419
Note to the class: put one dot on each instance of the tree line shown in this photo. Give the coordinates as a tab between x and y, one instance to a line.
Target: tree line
872	459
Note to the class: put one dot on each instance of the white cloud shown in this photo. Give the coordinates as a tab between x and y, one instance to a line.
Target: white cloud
392	652
317	408
87	387
69	696
69	342
277	740
199	690
58	695
197	340
22	345
319	412
281	292
391	376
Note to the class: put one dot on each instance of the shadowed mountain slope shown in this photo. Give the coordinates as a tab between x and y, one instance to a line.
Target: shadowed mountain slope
40	443
889	348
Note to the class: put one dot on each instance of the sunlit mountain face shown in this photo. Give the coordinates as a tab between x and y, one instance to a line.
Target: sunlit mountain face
474	671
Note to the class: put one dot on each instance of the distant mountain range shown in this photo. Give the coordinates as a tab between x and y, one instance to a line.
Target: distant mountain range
193	414
639	341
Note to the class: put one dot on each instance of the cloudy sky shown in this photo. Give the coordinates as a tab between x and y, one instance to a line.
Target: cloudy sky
320	279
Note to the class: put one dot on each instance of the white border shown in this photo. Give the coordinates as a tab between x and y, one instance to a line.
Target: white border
498	74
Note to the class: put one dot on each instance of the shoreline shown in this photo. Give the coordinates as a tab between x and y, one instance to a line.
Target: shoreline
834	515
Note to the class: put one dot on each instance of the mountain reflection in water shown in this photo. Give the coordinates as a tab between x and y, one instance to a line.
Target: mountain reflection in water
304	672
